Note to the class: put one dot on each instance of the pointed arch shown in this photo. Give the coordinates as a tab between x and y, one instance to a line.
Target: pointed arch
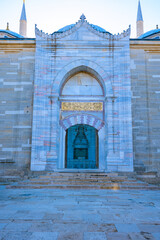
88	67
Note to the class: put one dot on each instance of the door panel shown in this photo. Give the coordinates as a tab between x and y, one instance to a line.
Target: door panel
82	147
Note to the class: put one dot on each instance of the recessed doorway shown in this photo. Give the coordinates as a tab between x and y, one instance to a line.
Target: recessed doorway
81	147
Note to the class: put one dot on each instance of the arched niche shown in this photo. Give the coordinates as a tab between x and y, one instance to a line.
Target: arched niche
82	84
83	66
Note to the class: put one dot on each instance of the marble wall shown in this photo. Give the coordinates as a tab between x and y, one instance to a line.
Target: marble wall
105	58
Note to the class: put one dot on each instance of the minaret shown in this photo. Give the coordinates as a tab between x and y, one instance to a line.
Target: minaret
7	26
140	29
23	22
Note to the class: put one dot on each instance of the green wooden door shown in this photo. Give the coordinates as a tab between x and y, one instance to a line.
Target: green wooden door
82	147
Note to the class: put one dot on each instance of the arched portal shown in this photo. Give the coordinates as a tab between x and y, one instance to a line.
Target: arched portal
82	109
81	147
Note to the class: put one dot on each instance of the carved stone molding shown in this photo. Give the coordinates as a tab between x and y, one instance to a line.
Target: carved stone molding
82	21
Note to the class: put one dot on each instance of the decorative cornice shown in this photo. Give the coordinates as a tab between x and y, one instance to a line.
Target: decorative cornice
82	21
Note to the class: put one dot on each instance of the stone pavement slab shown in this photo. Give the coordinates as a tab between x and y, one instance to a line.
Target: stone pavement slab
156	235
16	226
127	228
18	235
118	236
70	235
2	225
95	236
152	228
44	236
79	214
141	236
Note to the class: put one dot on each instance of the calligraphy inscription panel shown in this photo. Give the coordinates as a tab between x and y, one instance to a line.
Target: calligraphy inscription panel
82	106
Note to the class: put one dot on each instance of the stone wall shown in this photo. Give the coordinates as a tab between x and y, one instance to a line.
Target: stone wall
17	59
145	77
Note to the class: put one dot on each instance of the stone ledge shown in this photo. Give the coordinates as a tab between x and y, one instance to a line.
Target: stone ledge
7	160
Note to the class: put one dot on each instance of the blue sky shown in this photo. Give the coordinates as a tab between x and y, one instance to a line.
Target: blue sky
51	15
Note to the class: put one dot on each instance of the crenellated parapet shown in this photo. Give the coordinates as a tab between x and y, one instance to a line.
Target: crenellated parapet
82	22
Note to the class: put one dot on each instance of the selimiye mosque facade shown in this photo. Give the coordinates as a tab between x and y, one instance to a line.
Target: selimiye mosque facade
80	99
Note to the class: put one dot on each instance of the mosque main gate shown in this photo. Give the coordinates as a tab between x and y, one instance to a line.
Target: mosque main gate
82	121
81	147
82	100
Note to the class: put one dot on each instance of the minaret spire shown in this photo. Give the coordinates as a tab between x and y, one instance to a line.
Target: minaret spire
140	28
23	22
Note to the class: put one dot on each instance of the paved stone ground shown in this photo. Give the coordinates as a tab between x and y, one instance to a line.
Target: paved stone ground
37	214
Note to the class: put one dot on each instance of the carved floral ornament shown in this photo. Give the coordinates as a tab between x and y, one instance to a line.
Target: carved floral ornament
82	21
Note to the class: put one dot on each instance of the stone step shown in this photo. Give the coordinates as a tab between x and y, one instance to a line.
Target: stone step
81	174
82	181
55	187
82	177
4	183
147	174
75	179
82	184
62	187
111	187
38	181
9	178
